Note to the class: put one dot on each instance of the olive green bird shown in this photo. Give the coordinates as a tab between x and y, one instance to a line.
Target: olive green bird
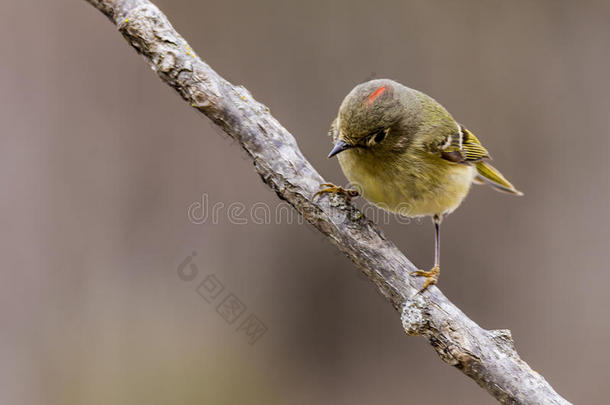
405	153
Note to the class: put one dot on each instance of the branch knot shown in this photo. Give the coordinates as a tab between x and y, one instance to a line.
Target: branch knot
414	316
503	339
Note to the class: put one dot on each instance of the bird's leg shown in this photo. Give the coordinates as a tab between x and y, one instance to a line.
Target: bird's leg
432	274
329	188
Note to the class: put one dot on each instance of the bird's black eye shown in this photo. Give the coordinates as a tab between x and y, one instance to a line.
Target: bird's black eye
380	135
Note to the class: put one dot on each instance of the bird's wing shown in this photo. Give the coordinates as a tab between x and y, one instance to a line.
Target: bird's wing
465	148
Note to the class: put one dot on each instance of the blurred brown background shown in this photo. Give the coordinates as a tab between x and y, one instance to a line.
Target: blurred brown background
99	162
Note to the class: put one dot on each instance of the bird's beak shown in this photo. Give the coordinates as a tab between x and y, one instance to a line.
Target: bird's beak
340	146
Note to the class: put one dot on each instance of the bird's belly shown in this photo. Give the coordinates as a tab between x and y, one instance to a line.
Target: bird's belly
416	192
442	198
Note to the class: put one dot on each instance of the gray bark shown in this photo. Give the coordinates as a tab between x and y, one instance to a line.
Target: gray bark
487	356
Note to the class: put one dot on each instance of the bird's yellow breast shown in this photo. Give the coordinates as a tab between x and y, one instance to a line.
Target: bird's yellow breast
416	184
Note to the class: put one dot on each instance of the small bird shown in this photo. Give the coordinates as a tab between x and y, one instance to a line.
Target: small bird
406	154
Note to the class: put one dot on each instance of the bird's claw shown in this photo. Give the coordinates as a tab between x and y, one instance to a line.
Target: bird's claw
329	188
431	277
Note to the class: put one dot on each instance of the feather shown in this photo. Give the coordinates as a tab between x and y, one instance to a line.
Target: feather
465	148
494	178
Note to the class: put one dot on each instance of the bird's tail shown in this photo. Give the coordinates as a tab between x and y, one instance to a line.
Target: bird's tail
490	175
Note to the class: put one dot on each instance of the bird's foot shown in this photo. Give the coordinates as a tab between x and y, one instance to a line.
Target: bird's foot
329	188
431	277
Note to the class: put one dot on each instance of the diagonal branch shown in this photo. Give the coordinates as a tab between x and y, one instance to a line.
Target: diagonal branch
488	357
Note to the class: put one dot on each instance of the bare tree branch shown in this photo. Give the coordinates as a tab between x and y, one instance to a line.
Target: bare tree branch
488	357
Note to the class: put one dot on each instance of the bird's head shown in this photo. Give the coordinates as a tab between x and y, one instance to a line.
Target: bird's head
375	116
